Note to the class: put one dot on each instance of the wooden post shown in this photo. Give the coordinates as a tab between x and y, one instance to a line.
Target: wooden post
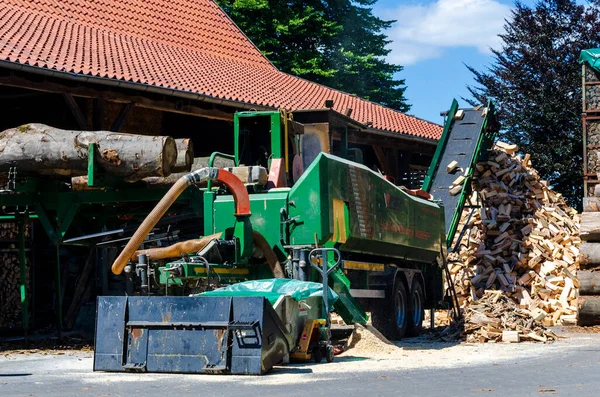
76	111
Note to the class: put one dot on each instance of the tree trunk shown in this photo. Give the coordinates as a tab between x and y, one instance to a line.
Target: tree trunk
40	149
589	310
590	226
185	155
198	162
590	254
589	282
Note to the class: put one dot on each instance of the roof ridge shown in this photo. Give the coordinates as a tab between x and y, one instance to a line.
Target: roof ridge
360	99
242	32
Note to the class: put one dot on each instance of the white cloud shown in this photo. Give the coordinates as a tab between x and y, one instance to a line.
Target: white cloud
426	31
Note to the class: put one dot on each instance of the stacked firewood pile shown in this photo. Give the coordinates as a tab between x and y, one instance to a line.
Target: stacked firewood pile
515	269
10	295
593	139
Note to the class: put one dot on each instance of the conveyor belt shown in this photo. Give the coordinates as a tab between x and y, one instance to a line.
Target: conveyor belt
464	140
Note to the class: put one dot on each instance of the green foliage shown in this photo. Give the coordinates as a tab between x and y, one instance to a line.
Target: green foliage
337	43
536	82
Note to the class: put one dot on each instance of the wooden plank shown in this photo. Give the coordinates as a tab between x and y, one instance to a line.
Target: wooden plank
117	97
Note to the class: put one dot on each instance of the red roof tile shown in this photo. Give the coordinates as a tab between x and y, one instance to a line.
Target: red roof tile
177	44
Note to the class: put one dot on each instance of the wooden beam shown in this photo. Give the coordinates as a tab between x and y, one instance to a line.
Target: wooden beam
112	96
76	111
98	114
118	123
401	142
383	160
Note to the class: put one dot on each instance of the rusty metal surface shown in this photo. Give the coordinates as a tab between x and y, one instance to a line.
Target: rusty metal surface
237	335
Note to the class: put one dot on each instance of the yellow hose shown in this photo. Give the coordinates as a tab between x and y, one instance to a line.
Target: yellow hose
178	249
148	223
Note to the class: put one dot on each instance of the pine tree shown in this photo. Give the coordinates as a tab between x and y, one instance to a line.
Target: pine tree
338	43
535	80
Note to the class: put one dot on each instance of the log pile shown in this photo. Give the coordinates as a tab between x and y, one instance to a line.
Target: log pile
41	149
496	317
592	91
516	266
10	296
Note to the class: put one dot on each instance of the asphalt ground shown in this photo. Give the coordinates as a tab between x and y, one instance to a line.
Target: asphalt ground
420	367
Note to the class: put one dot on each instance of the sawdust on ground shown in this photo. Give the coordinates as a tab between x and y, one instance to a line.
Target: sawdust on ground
368	341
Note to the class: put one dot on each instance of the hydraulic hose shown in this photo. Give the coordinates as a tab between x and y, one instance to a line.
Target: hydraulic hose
269	254
178	249
237	188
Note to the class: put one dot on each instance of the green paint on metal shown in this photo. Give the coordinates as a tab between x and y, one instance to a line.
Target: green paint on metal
92	164
265	219
208	211
383	220
276	137
214	155
435	162
485	141
13	217
242	231
346	306
276	131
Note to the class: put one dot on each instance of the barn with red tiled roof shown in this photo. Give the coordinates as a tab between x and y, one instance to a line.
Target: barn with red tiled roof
170	67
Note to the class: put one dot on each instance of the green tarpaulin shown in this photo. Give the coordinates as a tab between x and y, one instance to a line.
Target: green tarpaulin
591	57
273	288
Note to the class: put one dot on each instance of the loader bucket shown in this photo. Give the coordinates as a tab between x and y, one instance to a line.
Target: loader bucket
228	335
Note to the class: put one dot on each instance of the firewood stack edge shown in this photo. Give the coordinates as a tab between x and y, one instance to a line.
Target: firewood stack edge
515	270
10	295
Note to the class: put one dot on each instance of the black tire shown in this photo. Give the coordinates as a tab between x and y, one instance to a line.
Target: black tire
329	353
317	355
417	308
391	317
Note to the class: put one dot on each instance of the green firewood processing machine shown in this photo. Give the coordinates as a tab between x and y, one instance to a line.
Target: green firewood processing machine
277	253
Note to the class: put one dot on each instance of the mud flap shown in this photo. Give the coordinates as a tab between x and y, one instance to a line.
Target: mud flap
231	335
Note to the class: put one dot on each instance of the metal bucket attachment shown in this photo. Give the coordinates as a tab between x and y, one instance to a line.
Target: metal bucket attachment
230	335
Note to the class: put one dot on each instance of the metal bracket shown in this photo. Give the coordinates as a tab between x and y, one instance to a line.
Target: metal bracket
320	255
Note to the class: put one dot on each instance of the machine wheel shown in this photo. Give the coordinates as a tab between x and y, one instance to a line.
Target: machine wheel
417	308
329	353
391	318
317	354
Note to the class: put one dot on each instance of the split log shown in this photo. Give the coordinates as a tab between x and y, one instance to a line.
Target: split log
185	155
589	310
589	282
520	251
40	149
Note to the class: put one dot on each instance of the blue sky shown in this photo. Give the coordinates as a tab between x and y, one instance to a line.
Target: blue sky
433	39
